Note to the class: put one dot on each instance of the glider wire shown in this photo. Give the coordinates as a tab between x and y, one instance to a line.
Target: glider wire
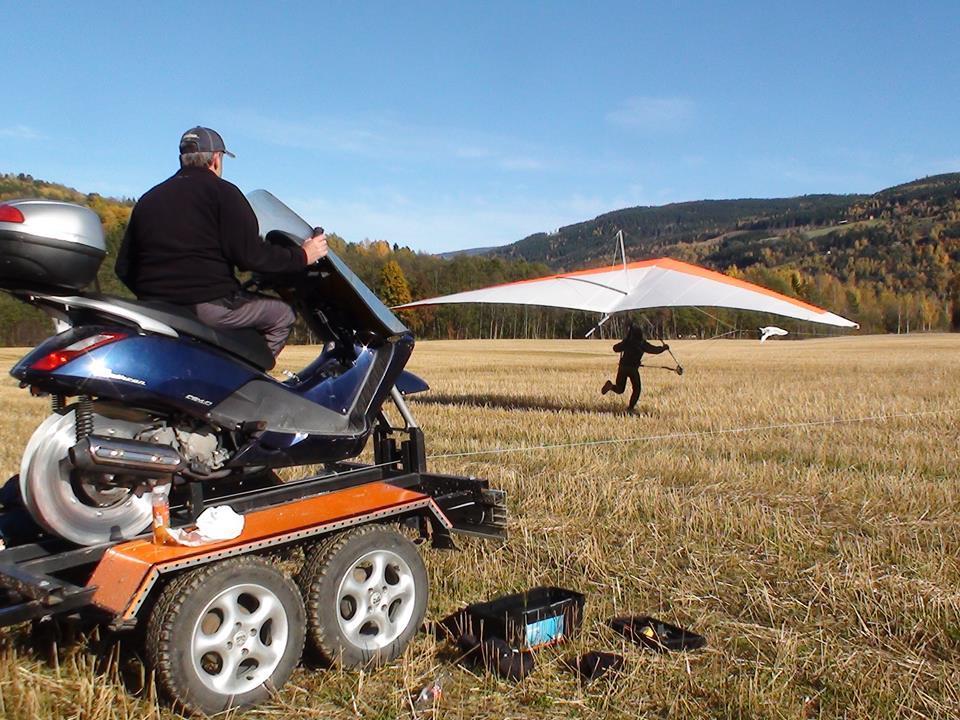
737	329
696	433
706	339
679	368
714	318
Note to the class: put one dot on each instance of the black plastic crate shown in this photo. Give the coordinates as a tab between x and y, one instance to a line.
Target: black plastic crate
529	620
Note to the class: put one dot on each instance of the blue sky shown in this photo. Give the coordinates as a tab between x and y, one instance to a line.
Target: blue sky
448	125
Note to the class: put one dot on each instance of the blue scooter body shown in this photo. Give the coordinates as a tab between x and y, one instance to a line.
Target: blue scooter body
161	360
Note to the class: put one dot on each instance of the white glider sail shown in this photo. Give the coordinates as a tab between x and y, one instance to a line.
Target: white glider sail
771	331
643	285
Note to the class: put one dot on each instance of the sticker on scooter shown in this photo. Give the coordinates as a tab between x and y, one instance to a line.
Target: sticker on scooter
99	369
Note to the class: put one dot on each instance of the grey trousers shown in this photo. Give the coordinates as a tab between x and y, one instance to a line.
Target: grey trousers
271	317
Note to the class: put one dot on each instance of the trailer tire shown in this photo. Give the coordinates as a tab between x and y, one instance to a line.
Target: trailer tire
200	665
366	592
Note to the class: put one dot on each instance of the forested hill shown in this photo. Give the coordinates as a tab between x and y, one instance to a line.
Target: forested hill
654	231
889	260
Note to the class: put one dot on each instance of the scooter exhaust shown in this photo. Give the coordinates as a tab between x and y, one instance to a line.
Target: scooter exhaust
96	453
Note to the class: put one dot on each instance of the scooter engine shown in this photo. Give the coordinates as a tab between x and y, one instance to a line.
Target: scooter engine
200	447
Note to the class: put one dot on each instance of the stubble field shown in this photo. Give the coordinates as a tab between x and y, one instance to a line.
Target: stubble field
795	502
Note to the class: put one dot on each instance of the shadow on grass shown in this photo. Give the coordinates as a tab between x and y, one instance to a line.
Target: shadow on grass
513	402
113	655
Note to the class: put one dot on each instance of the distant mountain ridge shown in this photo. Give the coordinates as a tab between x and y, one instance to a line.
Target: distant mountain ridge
656	230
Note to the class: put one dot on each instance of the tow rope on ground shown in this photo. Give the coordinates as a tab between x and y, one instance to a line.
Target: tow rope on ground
697	433
666	436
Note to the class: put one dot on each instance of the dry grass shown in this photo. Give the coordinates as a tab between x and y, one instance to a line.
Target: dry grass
820	560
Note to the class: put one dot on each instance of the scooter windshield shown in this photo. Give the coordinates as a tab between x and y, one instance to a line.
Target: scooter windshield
274	215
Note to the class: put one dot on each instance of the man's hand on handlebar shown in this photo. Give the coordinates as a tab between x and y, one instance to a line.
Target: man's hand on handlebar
316	247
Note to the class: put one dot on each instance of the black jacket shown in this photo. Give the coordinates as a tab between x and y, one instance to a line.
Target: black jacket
633	346
186	236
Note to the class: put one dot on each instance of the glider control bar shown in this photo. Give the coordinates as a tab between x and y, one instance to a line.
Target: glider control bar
678	370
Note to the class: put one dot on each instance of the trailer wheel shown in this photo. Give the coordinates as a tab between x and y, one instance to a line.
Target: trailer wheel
226	635
366	594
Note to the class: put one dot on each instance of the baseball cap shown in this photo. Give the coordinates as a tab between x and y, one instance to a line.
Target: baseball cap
201	139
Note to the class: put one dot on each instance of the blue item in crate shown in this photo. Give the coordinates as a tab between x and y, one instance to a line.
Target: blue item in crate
529	620
544	632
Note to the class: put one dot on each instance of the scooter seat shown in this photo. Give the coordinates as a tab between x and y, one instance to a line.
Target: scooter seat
246	343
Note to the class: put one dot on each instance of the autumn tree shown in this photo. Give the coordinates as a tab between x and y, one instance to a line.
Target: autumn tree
395	290
955	303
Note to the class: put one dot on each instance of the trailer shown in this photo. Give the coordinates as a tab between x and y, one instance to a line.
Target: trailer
224	623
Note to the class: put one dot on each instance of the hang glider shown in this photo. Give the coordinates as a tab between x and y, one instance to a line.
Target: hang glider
642	285
771	331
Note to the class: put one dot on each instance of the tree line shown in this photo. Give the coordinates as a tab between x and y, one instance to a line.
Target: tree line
887	261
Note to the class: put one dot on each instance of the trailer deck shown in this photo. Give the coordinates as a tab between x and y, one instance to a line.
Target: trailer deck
52	576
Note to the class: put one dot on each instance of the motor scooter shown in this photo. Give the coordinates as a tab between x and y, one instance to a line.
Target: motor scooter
144	392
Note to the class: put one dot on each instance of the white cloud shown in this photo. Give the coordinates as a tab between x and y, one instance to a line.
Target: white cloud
389	141
473	153
456	222
20	132
653	114
521	163
587	207
933	166
430	226
847	169
790	175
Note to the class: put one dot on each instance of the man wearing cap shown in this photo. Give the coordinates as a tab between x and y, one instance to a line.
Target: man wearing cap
186	236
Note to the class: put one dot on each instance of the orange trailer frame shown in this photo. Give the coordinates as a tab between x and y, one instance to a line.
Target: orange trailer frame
126	583
125	575
113	581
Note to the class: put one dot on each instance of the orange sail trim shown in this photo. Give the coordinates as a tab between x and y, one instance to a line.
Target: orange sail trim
720	277
670	264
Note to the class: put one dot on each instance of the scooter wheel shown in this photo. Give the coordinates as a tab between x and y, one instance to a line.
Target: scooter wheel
366	594
226	635
81	508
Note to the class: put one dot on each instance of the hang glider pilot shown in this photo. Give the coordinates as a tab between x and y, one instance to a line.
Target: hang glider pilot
631	350
186	236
